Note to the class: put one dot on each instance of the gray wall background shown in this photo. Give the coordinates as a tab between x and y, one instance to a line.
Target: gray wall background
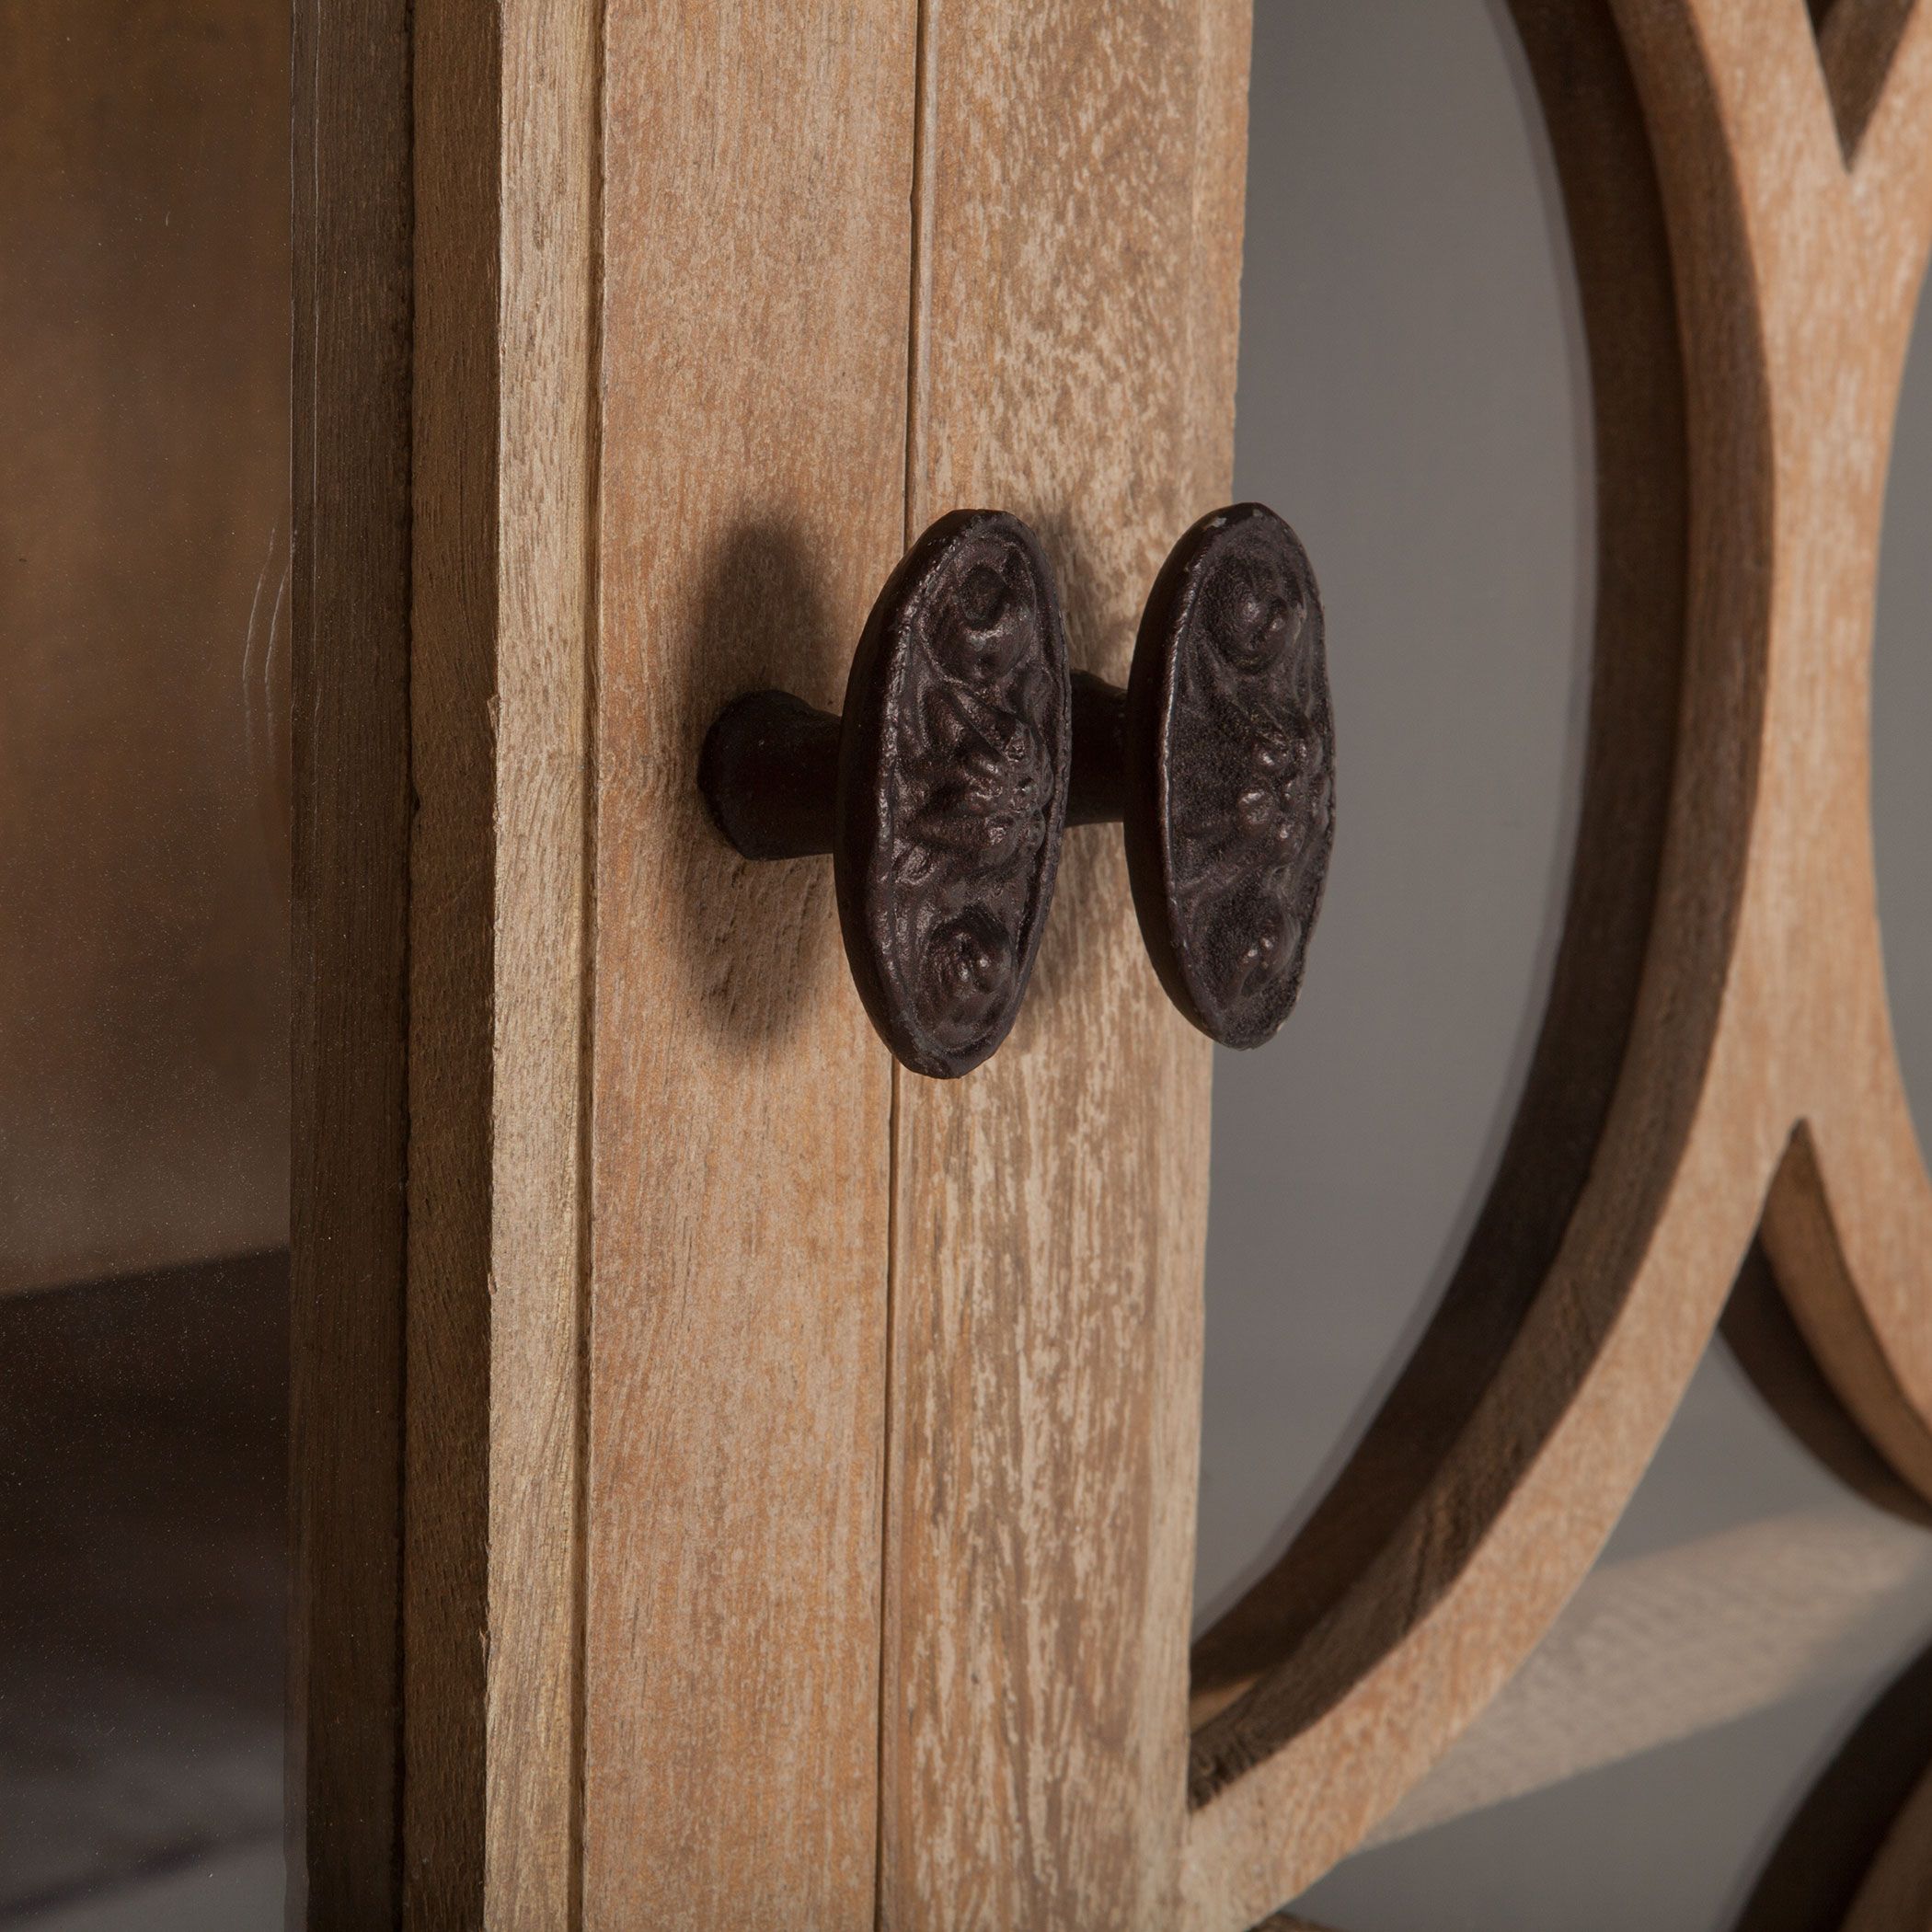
1412	399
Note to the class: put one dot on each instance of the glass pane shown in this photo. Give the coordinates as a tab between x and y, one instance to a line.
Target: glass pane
143	959
1412	398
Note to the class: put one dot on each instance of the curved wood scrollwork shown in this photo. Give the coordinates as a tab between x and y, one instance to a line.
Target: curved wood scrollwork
1857	1853
1751	207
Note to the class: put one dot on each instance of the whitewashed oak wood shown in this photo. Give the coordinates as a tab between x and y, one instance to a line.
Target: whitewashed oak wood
1075	311
795	1509
756	263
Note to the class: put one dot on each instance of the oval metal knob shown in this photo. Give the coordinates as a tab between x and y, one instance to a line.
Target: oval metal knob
1219	758
940	793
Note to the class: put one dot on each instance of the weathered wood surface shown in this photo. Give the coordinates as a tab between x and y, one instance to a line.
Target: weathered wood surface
1756	1058
798	1465
545	615
694	1633
1079	211
445	171
144	493
503	463
757	253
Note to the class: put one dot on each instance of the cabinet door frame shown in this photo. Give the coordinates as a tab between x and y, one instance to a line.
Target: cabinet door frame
712	1445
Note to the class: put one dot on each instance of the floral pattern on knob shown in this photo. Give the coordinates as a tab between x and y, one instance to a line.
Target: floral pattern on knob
1228	716
952	786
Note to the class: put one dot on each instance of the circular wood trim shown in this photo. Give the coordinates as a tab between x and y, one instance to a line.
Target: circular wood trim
1717	1031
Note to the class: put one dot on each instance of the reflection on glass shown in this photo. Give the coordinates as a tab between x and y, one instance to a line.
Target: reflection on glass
1412	399
143	959
143	481
1652	1760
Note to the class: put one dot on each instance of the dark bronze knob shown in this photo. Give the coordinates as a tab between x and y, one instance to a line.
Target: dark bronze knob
940	793
1219	759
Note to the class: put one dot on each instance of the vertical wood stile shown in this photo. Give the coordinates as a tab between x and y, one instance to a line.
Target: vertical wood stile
1073	360
446	169
756	256
546	763
500	757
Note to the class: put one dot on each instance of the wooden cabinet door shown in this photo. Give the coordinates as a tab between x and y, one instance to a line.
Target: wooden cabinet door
738	1482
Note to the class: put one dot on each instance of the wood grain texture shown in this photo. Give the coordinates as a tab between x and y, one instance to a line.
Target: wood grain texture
1757	1059
504	468
349	608
144	493
550	273
1079	212
755	236
839	1329
456	559
447	164
1848	1225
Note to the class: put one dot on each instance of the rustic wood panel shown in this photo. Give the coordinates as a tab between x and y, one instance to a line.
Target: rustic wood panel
841	1326
756	259
545	615
144	491
1079	203
1848	1226
1759	1057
